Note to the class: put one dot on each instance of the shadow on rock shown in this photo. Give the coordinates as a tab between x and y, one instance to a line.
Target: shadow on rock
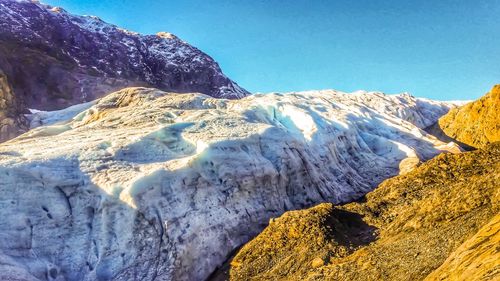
438	132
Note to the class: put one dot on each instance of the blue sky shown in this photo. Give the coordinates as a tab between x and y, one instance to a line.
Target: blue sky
442	49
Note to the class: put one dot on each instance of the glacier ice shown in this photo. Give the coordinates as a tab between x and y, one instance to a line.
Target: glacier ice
144	184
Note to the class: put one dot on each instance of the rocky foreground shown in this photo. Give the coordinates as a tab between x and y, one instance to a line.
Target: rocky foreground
148	185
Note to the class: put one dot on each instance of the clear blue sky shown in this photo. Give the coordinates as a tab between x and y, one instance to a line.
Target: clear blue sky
446	49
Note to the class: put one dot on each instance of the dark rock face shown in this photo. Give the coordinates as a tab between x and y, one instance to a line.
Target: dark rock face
54	59
11	122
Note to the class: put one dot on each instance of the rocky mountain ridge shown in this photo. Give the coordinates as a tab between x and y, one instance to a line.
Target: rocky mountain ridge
475	124
53	59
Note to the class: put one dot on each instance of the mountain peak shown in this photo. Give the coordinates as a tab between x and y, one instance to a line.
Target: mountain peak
53	59
166	35
88	46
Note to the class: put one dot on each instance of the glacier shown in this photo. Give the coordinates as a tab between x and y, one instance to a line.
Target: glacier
148	185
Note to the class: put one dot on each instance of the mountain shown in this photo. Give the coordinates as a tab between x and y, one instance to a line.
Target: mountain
144	184
53	59
439	221
475	124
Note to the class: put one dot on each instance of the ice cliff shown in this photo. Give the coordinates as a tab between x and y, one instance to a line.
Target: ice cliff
148	185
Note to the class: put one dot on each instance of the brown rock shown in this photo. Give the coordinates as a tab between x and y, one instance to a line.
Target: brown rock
475	124
317	262
476	259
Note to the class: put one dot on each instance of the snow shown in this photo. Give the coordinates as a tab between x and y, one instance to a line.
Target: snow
43	118
146	184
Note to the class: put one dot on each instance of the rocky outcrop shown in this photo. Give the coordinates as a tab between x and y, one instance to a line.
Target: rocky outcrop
476	259
12	119
404	230
475	124
53	59
147	185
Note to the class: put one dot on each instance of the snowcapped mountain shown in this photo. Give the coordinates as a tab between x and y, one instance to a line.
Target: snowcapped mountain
53	59
91	47
152	185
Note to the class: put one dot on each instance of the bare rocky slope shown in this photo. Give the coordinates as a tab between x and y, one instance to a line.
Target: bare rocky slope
478	258
148	185
440	221
53	59
475	124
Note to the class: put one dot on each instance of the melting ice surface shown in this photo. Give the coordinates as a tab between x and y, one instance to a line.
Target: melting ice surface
146	184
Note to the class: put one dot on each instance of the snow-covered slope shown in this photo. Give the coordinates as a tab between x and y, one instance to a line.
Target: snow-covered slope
150	185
